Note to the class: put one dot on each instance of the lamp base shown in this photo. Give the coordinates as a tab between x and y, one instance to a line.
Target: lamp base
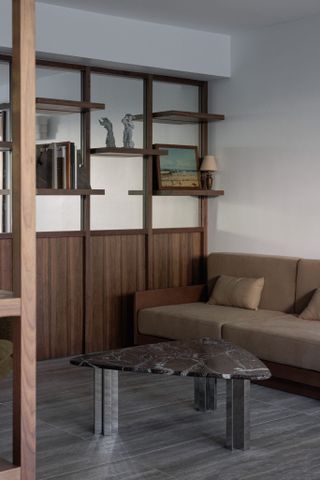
209	180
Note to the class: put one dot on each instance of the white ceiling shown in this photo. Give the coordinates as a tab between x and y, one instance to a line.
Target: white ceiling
225	16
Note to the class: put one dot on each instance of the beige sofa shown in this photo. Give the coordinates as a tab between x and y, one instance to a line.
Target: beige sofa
288	344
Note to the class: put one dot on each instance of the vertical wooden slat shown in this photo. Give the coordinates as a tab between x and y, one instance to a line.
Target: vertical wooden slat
204	151
148	178
24	242
86	204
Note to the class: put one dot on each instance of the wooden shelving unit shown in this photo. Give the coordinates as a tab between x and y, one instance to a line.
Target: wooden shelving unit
5	146
178	117
126	152
76	191
66	106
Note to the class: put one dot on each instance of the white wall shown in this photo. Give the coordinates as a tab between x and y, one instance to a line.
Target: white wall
87	35
269	146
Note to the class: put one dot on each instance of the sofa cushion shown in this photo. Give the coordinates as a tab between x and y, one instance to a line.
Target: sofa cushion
5	357
287	340
312	310
279	275
237	292
179	322
308	280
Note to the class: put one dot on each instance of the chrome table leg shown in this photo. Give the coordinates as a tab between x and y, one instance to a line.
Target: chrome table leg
105	401
205	393
238	414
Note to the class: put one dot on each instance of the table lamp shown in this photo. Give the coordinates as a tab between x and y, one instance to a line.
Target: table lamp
208	166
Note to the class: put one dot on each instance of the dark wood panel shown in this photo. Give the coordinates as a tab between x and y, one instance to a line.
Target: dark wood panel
5	264
177	259
60	296
118	270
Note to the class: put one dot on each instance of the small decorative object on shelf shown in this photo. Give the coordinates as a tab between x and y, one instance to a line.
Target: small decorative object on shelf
128	130
105	123
179	168
208	166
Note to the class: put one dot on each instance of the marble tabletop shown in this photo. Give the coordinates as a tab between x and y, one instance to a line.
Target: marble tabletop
200	357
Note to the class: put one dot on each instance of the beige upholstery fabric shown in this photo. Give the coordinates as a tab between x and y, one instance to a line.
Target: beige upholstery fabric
287	340
237	292
312	310
189	320
308	280
279	274
5	358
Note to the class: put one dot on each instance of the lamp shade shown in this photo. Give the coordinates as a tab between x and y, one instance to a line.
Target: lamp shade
209	164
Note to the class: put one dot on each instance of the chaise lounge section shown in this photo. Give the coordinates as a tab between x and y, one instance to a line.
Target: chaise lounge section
289	345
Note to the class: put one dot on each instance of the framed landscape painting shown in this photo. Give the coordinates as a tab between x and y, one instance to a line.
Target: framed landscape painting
179	168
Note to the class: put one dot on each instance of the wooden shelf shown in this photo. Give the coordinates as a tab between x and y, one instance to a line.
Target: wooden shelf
135	192
5	146
126	152
76	191
188	193
9	471
178	117
66	106
10	306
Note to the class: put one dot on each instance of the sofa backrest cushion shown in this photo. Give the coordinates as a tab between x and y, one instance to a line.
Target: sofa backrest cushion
308	280
279	276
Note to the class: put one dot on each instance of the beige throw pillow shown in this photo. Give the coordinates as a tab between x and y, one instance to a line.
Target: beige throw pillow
312	311
237	292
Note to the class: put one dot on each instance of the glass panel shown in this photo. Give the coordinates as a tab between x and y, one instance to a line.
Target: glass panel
175	212
58	213
117	209
58	83
55	213
121	96
4	84
117	175
175	96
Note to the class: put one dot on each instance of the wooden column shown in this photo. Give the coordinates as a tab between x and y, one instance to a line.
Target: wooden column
24	244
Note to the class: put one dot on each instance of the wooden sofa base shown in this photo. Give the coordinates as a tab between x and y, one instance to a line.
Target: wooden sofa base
284	377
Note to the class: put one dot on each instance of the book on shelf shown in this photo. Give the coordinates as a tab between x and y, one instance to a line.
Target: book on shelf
57	165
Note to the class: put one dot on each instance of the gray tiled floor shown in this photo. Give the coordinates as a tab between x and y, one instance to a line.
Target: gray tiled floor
161	436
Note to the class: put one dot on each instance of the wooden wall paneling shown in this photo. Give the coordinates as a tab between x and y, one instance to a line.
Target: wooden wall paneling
5	264
132	280
94	332
177	259
118	270
60	296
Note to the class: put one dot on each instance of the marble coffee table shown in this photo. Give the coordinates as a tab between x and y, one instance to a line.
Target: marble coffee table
205	359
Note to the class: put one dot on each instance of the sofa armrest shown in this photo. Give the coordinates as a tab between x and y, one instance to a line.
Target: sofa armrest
166	296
